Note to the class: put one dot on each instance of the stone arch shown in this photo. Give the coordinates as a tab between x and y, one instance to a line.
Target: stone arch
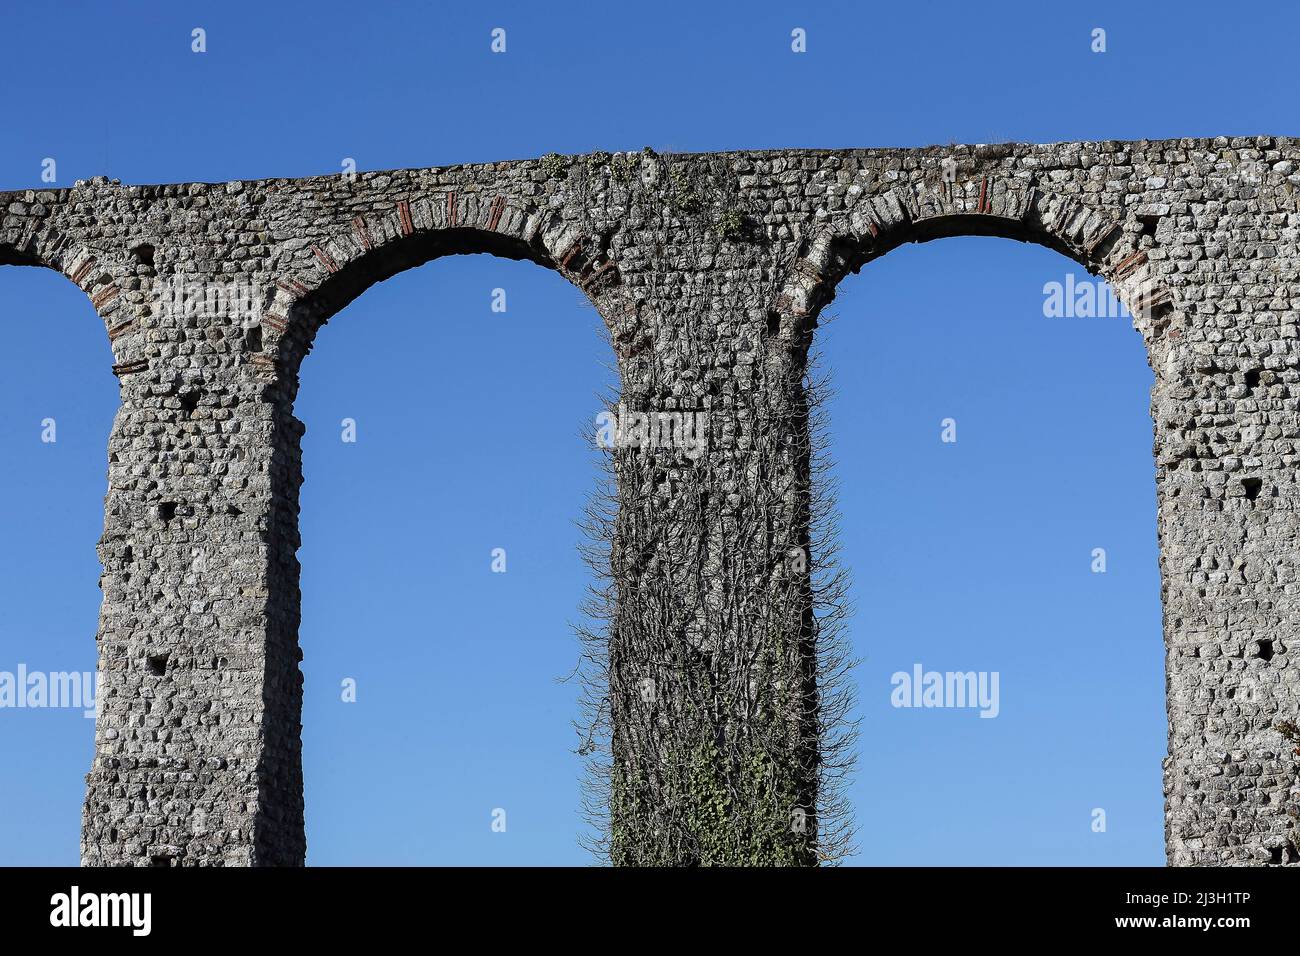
326	275
1122	249
94	271
1119	251
334	272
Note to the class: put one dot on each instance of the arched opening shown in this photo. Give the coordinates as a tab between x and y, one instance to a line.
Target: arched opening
997	492
446	458
59	396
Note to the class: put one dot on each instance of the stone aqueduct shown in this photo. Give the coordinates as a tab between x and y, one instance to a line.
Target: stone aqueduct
709	271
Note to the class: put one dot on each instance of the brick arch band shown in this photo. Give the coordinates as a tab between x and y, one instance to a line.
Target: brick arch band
414	232
876	224
99	274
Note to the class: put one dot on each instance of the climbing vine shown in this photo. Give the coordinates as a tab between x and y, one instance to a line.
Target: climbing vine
716	698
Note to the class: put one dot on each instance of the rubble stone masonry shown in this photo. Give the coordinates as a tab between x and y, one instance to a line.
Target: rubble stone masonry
709	271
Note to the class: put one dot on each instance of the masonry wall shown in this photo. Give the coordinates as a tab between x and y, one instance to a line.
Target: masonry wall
717	703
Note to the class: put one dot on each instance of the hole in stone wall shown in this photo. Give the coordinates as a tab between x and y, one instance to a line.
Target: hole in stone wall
1102	250
190	401
157	664
162	859
1160	311
1264	650
167	511
143	254
253	339
128	556
1252	487
1252	380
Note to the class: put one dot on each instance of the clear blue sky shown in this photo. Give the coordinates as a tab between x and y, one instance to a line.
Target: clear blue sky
971	556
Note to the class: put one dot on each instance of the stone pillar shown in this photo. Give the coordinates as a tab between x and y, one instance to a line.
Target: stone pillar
1225	424
197	746
716	663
